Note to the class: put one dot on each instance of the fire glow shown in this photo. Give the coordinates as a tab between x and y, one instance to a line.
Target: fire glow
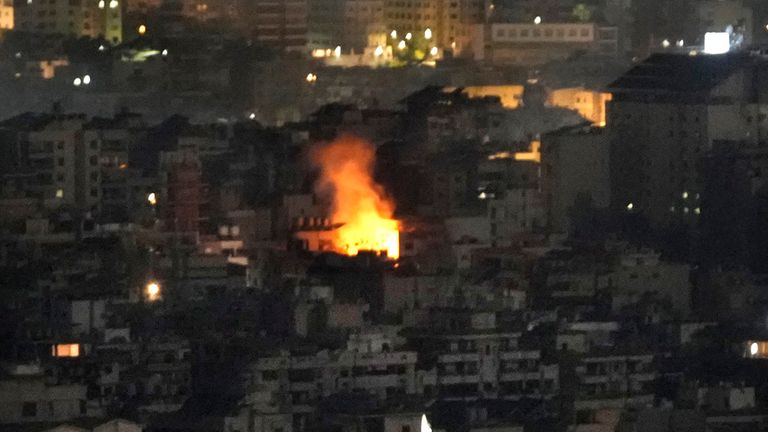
359	205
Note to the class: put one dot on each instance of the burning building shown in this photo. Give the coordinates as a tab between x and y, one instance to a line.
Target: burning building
360	210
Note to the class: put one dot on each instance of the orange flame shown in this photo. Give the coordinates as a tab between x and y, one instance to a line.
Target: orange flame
359	203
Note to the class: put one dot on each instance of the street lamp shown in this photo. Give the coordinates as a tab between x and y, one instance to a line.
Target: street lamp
401	45
408	36
142	29
537	20
428	34
153	290
393	35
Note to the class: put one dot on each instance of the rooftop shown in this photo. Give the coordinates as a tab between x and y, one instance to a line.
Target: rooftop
680	73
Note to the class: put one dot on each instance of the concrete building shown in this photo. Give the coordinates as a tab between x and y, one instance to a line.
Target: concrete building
92	18
451	22
609	382
513	212
376	368
574	167
477	359
529	44
279	24
589	103
672	118
362	19
182	205
27	398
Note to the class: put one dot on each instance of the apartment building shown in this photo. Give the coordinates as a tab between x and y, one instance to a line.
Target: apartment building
531	44
92	18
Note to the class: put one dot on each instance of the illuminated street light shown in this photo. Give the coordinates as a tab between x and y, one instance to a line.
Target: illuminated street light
433	51
164	53
337	51
311	78
681	43
754	348
142	29
101	4
77	82
665	43
152	198
379	51
153	291
102	47
537	20
408	36
113	4
393	35
252	116
630	206
401	45
428	34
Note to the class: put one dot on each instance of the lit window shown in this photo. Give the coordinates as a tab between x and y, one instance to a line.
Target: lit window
66	350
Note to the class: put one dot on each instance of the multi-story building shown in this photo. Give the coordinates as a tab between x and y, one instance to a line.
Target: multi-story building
362	18
530	44
450	22
66	164
609	382
367	364
184	199
473	357
92	18
279	24
27	397
323	28
674	122
574	169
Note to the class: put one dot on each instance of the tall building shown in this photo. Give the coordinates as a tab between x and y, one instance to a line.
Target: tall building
323	26
574	169
92	18
671	112
451	22
61	158
185	196
362	18
278	24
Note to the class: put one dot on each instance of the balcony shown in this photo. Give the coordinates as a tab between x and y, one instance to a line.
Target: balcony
458	357
458	379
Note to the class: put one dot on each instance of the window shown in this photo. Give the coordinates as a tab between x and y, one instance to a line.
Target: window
29	409
66	350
